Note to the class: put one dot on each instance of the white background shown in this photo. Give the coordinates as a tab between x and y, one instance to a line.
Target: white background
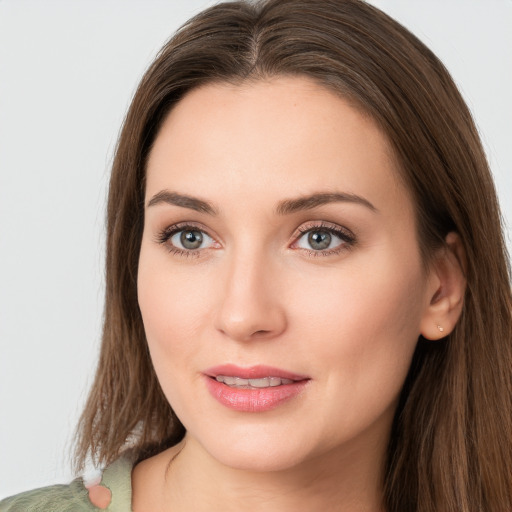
68	69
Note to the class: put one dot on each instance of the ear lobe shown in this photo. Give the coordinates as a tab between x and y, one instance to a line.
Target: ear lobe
448	286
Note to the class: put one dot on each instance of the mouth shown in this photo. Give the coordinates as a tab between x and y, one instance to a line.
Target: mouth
265	382
253	389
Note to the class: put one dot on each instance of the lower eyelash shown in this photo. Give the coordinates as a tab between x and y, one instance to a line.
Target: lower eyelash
179	252
329	252
346	236
166	234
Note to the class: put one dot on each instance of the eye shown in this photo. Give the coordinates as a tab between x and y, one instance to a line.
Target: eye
183	239
190	239
323	239
318	241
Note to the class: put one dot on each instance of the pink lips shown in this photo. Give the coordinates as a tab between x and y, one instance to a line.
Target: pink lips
253	399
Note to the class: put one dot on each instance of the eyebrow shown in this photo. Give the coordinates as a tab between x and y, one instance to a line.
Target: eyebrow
285	207
192	203
314	200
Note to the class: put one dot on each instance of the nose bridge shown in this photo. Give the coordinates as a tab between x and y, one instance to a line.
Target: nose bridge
249	305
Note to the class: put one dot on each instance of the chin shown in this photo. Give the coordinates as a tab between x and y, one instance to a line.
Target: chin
256	451
258	460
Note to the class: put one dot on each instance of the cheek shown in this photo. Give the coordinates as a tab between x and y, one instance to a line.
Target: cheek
382	300
363	326
173	312
173	304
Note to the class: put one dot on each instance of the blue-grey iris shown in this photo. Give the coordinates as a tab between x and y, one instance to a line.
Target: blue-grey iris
191	239
319	240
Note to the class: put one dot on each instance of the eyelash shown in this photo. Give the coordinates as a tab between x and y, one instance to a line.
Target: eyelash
166	234
347	238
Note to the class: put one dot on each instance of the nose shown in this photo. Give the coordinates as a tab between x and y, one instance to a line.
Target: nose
249	307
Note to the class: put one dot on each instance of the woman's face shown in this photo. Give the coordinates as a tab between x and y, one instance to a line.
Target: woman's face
280	279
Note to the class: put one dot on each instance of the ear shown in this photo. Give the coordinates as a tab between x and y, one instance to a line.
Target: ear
446	288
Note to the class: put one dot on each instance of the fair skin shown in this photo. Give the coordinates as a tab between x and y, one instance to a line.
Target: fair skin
331	290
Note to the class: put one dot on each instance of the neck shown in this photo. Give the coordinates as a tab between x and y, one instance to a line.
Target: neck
187	478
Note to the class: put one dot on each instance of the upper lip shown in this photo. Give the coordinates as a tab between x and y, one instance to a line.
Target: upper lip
252	372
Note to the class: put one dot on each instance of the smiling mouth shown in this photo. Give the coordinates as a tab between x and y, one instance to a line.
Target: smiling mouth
240	383
253	389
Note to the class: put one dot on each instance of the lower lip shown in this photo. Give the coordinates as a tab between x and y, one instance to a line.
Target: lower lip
255	399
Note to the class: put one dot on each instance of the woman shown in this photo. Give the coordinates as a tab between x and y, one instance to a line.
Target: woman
308	298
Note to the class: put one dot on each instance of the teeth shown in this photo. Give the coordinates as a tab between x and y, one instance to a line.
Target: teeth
265	382
276	381
260	383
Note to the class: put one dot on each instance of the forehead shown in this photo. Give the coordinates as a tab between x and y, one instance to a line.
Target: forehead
263	137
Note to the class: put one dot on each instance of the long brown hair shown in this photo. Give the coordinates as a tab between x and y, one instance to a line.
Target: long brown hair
451	443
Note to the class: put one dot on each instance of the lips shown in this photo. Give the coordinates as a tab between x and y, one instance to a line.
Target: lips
265	382
253	389
253	372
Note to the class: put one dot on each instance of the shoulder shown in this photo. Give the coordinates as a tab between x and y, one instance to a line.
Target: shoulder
57	498
112	493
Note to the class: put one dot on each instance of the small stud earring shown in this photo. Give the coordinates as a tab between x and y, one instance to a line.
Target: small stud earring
440	328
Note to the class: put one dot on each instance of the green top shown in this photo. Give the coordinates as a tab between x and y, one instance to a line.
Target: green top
75	497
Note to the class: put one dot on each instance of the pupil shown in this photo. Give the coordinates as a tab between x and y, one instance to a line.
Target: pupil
319	240
191	239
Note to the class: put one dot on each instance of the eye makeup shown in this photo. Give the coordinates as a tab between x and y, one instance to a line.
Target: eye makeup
324	239
191	237
315	238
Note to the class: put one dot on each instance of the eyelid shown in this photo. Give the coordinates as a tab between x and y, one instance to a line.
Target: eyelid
164	236
346	236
